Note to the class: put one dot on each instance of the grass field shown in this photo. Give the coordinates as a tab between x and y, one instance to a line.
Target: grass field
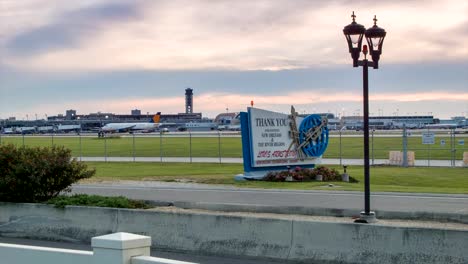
351	147
392	179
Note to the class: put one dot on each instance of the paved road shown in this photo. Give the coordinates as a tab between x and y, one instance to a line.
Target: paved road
420	163
189	257
199	193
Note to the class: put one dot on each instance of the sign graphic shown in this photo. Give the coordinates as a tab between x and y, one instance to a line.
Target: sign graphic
272	140
313	136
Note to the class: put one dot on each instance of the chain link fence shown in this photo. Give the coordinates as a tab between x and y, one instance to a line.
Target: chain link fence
422	147
444	147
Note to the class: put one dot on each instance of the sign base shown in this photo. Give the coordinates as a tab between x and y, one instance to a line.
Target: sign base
255	175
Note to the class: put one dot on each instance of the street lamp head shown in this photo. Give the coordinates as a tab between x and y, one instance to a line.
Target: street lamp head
354	33
375	37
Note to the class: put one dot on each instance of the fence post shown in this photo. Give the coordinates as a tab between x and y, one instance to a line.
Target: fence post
119	248
453	145
105	148
80	149
429	151
372	142
340	149
133	146
219	146
160	147
190	145
23	137
405	147
52	139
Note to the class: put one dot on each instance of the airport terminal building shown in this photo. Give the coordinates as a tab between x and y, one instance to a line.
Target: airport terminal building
388	122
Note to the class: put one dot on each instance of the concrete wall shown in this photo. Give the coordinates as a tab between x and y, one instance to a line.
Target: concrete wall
305	241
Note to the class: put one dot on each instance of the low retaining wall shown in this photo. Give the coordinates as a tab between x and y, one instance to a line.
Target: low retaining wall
461	218
297	240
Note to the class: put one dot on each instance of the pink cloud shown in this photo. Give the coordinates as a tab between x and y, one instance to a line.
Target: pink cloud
211	104
218	102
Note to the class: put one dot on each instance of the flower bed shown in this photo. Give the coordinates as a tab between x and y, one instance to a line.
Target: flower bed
305	174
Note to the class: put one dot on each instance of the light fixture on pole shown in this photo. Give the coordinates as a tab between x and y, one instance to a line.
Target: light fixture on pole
354	33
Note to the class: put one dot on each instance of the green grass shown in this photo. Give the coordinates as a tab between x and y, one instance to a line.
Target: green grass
197	172
392	179
96	200
351	147
144	146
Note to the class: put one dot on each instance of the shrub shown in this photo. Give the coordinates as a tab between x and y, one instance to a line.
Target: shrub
34	174
328	174
95	200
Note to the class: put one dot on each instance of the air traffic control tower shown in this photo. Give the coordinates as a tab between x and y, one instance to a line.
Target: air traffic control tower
188	101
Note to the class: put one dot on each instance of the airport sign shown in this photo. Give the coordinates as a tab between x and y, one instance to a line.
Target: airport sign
428	138
275	141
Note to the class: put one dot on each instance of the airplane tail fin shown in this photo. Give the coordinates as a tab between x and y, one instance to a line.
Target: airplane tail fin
156	118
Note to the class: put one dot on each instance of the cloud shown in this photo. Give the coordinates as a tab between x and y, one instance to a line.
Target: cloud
234	35
69	29
20	88
62	54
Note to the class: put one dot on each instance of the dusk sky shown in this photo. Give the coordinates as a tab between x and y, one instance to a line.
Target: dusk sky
118	55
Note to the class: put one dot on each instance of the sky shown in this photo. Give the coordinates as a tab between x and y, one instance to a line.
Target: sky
118	55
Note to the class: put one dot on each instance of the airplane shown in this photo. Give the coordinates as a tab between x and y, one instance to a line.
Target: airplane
25	130
68	128
9	130
234	127
129	127
443	126
45	129
229	127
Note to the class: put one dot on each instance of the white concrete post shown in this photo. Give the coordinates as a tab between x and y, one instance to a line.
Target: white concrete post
119	248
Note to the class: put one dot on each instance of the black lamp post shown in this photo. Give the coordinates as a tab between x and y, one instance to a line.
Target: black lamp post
354	33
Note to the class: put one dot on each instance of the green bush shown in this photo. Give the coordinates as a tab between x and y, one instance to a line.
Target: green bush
34	174
96	200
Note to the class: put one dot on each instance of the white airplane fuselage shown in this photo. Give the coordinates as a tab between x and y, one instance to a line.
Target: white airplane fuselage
116	127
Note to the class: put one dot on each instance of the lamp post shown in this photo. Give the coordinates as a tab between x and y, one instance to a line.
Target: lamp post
375	35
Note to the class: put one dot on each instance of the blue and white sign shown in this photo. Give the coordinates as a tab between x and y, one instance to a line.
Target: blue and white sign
273	141
428	138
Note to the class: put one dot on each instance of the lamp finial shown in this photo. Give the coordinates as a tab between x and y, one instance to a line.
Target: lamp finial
354	17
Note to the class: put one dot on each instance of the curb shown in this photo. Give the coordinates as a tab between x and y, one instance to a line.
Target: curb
461	218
